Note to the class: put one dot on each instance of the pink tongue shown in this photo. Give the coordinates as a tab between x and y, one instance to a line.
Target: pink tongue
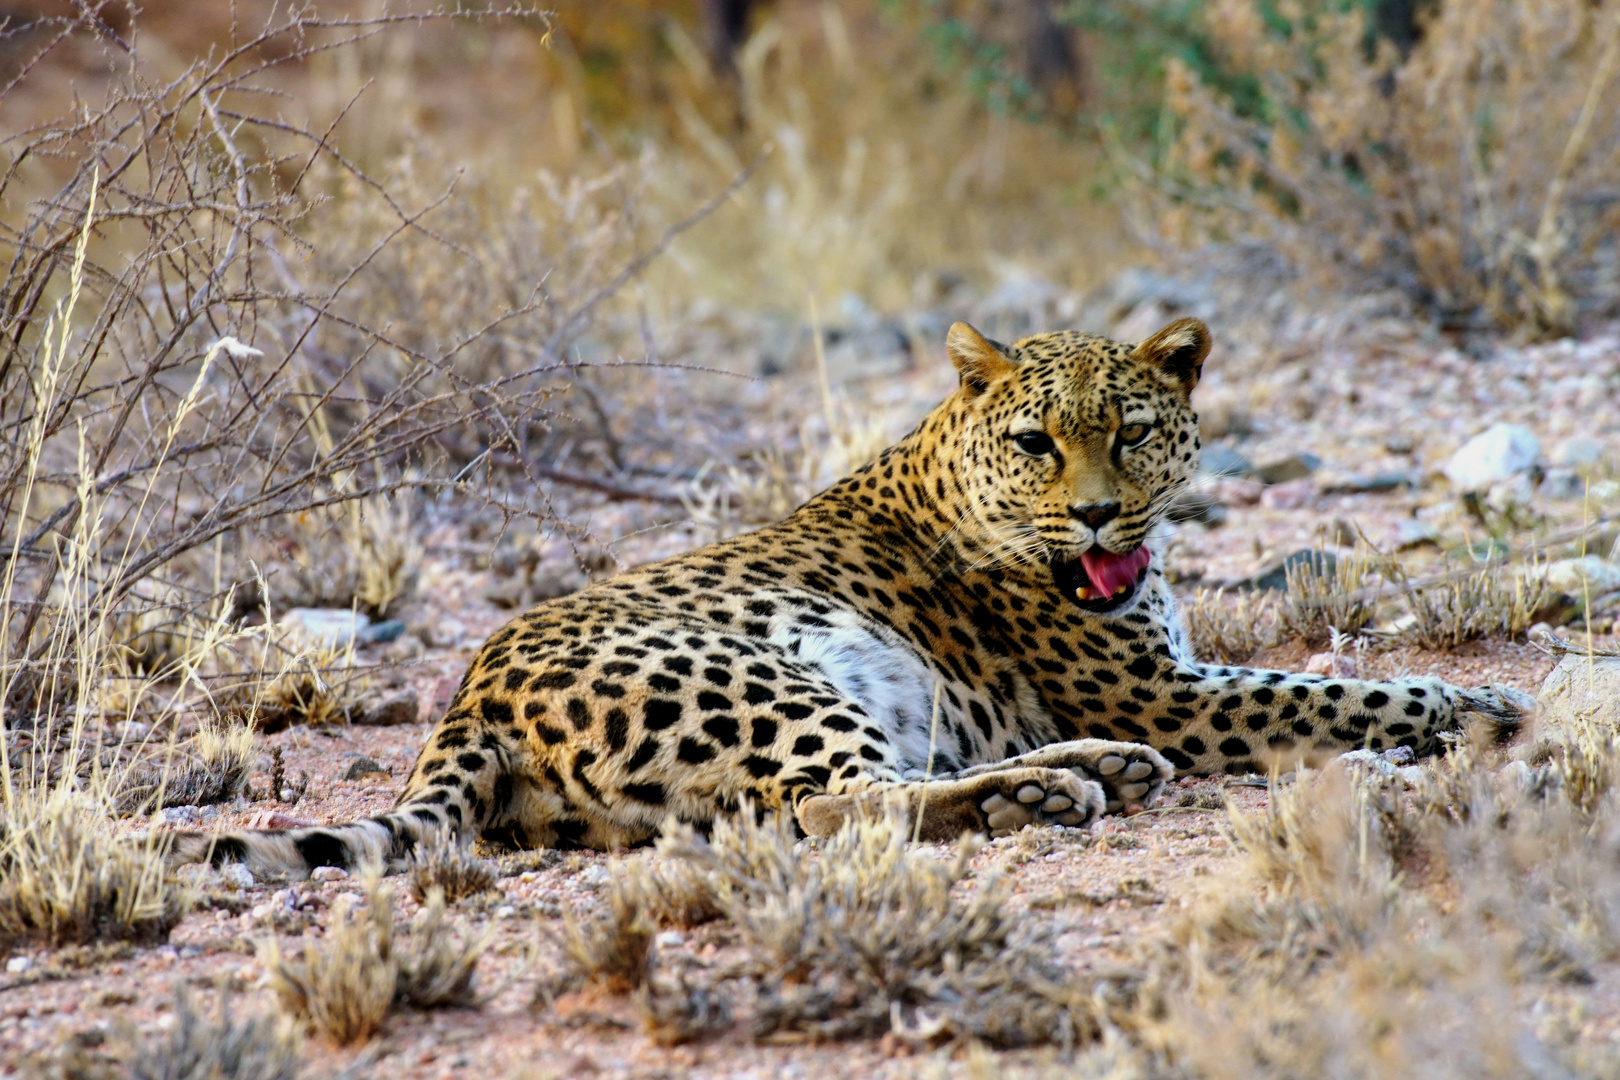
1109	572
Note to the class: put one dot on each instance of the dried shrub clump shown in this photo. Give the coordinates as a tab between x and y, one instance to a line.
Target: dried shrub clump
199	1047
65	879
1474	173
1495	600
214	768
863	934
611	949
1379	929
449	868
1328	594
344	986
1229	629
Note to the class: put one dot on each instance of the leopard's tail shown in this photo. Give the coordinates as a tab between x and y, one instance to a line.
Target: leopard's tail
455	802
381	843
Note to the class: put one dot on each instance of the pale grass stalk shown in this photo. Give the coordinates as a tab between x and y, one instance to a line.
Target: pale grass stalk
928	770
50	375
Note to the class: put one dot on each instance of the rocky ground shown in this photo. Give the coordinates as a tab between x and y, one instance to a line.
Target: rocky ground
1324	428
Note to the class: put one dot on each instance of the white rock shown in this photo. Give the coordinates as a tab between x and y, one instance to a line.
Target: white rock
328	873
1494	455
1516	490
180	815
236	876
1582	693
1368	759
328	627
505	911
1577	452
18	964
1335	667
1411	533
670	938
1563	484
132	731
1589	576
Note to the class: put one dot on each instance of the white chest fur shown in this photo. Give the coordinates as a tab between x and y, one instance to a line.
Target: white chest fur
873	666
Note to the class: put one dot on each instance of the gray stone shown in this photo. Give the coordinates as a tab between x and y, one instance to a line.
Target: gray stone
1411	533
1577	452
1564	484
1197	506
363	766
380	632
1499	453
1400	444
1585	577
1292	467
328	627
1275	577
1581	695
1218	459
402	708
181	815
1377	482
236	876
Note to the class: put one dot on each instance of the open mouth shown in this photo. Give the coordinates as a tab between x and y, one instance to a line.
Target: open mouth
1100	580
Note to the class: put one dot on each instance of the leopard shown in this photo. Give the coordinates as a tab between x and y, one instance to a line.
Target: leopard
974	629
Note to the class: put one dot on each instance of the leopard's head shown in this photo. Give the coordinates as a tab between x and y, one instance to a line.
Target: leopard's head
1071	447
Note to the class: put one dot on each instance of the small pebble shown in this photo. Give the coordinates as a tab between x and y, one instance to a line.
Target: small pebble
670	938
236	876
18	964
505	911
1334	666
181	815
328	873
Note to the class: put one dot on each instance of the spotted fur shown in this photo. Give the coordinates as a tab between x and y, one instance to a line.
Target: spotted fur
797	667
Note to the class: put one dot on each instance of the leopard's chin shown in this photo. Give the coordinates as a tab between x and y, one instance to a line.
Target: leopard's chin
1076	582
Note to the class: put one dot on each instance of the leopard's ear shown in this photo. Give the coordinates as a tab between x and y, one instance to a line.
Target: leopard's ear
1178	350
979	361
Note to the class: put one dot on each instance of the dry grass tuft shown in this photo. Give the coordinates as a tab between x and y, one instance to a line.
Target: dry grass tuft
1229	629
199	1047
359	553
345	986
612	949
676	1011
1328	594
674	892
862	936
215	770
65	879
448	868
1493	601
1373	930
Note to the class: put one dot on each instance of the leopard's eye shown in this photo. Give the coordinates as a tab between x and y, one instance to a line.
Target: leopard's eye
1132	434
1034	442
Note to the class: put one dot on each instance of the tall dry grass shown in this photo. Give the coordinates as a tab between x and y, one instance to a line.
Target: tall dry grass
202	359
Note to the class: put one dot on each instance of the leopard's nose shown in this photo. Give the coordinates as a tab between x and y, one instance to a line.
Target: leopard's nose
1096	514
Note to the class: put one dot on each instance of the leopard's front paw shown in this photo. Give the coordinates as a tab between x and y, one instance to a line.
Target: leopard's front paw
1020	797
1132	776
1503	710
